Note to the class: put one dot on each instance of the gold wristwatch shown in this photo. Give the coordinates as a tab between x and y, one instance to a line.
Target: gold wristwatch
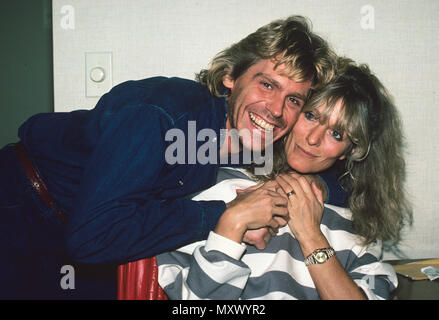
319	256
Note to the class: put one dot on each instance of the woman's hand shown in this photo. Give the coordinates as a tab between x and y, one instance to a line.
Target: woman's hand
305	206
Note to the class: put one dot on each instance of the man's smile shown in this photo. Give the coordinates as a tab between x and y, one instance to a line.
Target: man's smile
260	123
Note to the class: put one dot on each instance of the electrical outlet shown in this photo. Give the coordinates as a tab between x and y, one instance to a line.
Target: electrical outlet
98	73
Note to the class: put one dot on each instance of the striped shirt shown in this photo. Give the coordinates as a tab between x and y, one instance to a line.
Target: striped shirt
219	268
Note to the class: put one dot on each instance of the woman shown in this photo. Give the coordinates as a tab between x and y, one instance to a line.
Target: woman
324	252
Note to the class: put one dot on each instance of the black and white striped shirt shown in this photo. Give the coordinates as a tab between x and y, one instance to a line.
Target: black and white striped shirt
219	268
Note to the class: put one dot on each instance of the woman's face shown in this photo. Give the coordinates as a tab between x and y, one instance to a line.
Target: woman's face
313	147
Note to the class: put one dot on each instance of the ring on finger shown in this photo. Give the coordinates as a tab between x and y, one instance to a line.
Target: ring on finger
290	193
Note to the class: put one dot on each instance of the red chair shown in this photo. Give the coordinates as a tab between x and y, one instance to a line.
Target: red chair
138	280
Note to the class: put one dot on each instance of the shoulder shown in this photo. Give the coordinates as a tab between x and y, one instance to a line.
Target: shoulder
337	218
174	96
337	226
224	190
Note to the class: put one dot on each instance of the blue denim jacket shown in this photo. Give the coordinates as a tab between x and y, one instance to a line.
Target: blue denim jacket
106	168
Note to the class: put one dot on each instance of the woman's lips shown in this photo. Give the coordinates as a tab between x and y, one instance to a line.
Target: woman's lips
304	152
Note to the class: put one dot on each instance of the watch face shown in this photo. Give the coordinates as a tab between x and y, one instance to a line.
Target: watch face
321	257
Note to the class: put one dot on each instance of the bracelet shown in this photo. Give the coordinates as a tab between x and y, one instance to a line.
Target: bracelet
319	256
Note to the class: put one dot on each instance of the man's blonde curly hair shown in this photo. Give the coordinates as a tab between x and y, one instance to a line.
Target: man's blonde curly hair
289	42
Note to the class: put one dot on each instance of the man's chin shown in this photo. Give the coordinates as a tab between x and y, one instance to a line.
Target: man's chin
278	133
254	147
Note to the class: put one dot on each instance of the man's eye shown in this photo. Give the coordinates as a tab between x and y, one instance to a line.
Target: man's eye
266	85
295	101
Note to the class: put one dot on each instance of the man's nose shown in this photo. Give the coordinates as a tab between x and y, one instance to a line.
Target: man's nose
276	106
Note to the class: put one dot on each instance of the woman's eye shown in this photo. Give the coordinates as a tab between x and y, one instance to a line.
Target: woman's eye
310	116
337	135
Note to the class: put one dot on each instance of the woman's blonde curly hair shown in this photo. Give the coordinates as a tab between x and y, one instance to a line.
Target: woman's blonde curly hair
374	166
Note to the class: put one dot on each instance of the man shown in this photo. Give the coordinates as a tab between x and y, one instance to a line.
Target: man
99	186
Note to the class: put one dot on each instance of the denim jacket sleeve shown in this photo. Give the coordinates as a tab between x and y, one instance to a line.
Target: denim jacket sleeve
117	216
336	195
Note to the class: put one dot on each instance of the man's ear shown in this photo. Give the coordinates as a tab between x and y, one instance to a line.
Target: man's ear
228	82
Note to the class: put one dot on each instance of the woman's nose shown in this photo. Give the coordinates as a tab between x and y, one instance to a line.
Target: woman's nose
314	137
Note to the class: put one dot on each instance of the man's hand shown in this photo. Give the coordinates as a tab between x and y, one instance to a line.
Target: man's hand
258	238
257	207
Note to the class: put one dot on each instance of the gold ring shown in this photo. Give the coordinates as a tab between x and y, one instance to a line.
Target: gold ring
290	193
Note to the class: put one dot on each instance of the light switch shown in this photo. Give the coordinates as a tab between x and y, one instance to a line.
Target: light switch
98	73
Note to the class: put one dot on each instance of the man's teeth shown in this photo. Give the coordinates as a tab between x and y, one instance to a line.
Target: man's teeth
261	123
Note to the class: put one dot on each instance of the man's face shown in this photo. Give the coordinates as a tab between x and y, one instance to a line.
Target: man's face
264	101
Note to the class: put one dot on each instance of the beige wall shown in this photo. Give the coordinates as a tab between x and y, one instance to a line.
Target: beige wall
178	38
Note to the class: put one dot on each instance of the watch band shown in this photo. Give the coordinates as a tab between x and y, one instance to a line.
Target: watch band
319	256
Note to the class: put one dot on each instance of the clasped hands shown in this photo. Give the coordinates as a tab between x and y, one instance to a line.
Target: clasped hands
257	213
